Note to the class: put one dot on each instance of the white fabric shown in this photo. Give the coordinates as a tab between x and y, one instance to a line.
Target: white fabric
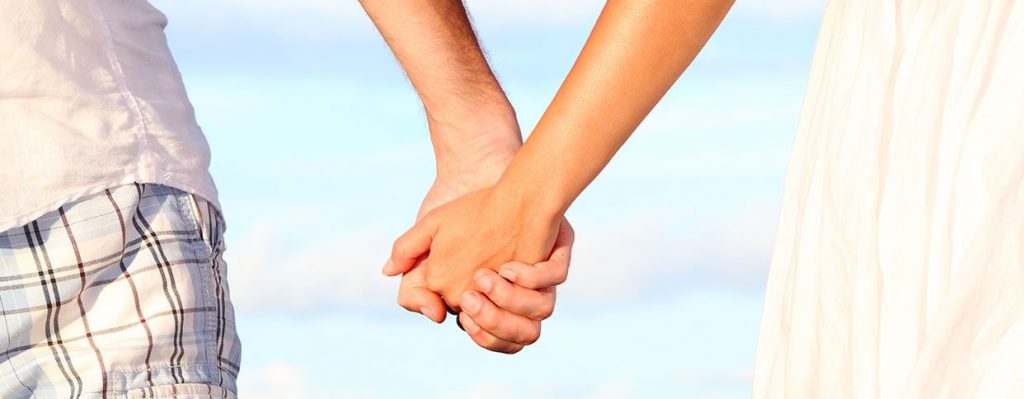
898	269
90	98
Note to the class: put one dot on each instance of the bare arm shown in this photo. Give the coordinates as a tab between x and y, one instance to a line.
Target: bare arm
636	52
468	114
474	134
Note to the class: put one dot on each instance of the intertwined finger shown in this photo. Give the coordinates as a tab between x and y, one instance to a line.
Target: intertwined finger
486	340
415	297
549	273
533	304
497	322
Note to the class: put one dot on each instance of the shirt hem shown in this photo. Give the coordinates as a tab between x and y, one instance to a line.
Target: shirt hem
26	218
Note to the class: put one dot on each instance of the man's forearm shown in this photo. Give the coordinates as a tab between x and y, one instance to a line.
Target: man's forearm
636	52
435	44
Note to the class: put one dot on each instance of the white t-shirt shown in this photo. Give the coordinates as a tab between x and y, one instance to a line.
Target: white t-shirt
90	98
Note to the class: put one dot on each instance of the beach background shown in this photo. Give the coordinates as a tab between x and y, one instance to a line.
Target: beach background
321	155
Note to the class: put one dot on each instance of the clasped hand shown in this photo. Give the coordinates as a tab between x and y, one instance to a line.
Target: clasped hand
491	260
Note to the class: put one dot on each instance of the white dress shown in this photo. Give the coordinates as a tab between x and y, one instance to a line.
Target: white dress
898	269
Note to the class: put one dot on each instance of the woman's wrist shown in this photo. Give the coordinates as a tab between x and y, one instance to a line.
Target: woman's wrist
536	223
537	195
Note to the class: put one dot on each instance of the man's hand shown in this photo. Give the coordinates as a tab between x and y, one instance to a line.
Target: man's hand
472	128
512	311
494	321
465	167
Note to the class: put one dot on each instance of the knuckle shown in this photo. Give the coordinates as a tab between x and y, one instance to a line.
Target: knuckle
406	302
531	337
488	342
561	275
400	249
433	280
546	310
511	350
486	319
528	334
501	295
528	279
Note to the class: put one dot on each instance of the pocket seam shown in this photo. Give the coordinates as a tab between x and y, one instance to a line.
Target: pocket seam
205	269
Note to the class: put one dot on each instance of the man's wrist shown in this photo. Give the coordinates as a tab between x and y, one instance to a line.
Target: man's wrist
490	137
466	99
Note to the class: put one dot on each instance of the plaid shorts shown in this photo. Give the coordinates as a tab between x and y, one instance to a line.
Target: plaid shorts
122	294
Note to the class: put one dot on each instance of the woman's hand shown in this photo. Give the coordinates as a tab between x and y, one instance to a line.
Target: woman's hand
482	230
464	166
454	249
512	305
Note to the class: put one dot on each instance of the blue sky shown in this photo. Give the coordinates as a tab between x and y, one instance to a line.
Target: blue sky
322	157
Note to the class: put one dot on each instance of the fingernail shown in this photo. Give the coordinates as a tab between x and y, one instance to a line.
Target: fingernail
484	281
468	324
426	312
508	274
470	302
387	268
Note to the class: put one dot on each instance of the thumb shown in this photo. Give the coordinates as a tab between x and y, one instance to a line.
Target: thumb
412	245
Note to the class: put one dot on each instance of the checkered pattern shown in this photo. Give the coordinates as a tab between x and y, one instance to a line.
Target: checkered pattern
122	294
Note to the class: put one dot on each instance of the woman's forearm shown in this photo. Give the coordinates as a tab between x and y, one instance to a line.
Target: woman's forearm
636	52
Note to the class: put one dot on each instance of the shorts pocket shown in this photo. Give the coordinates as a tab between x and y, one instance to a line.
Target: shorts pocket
181	391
